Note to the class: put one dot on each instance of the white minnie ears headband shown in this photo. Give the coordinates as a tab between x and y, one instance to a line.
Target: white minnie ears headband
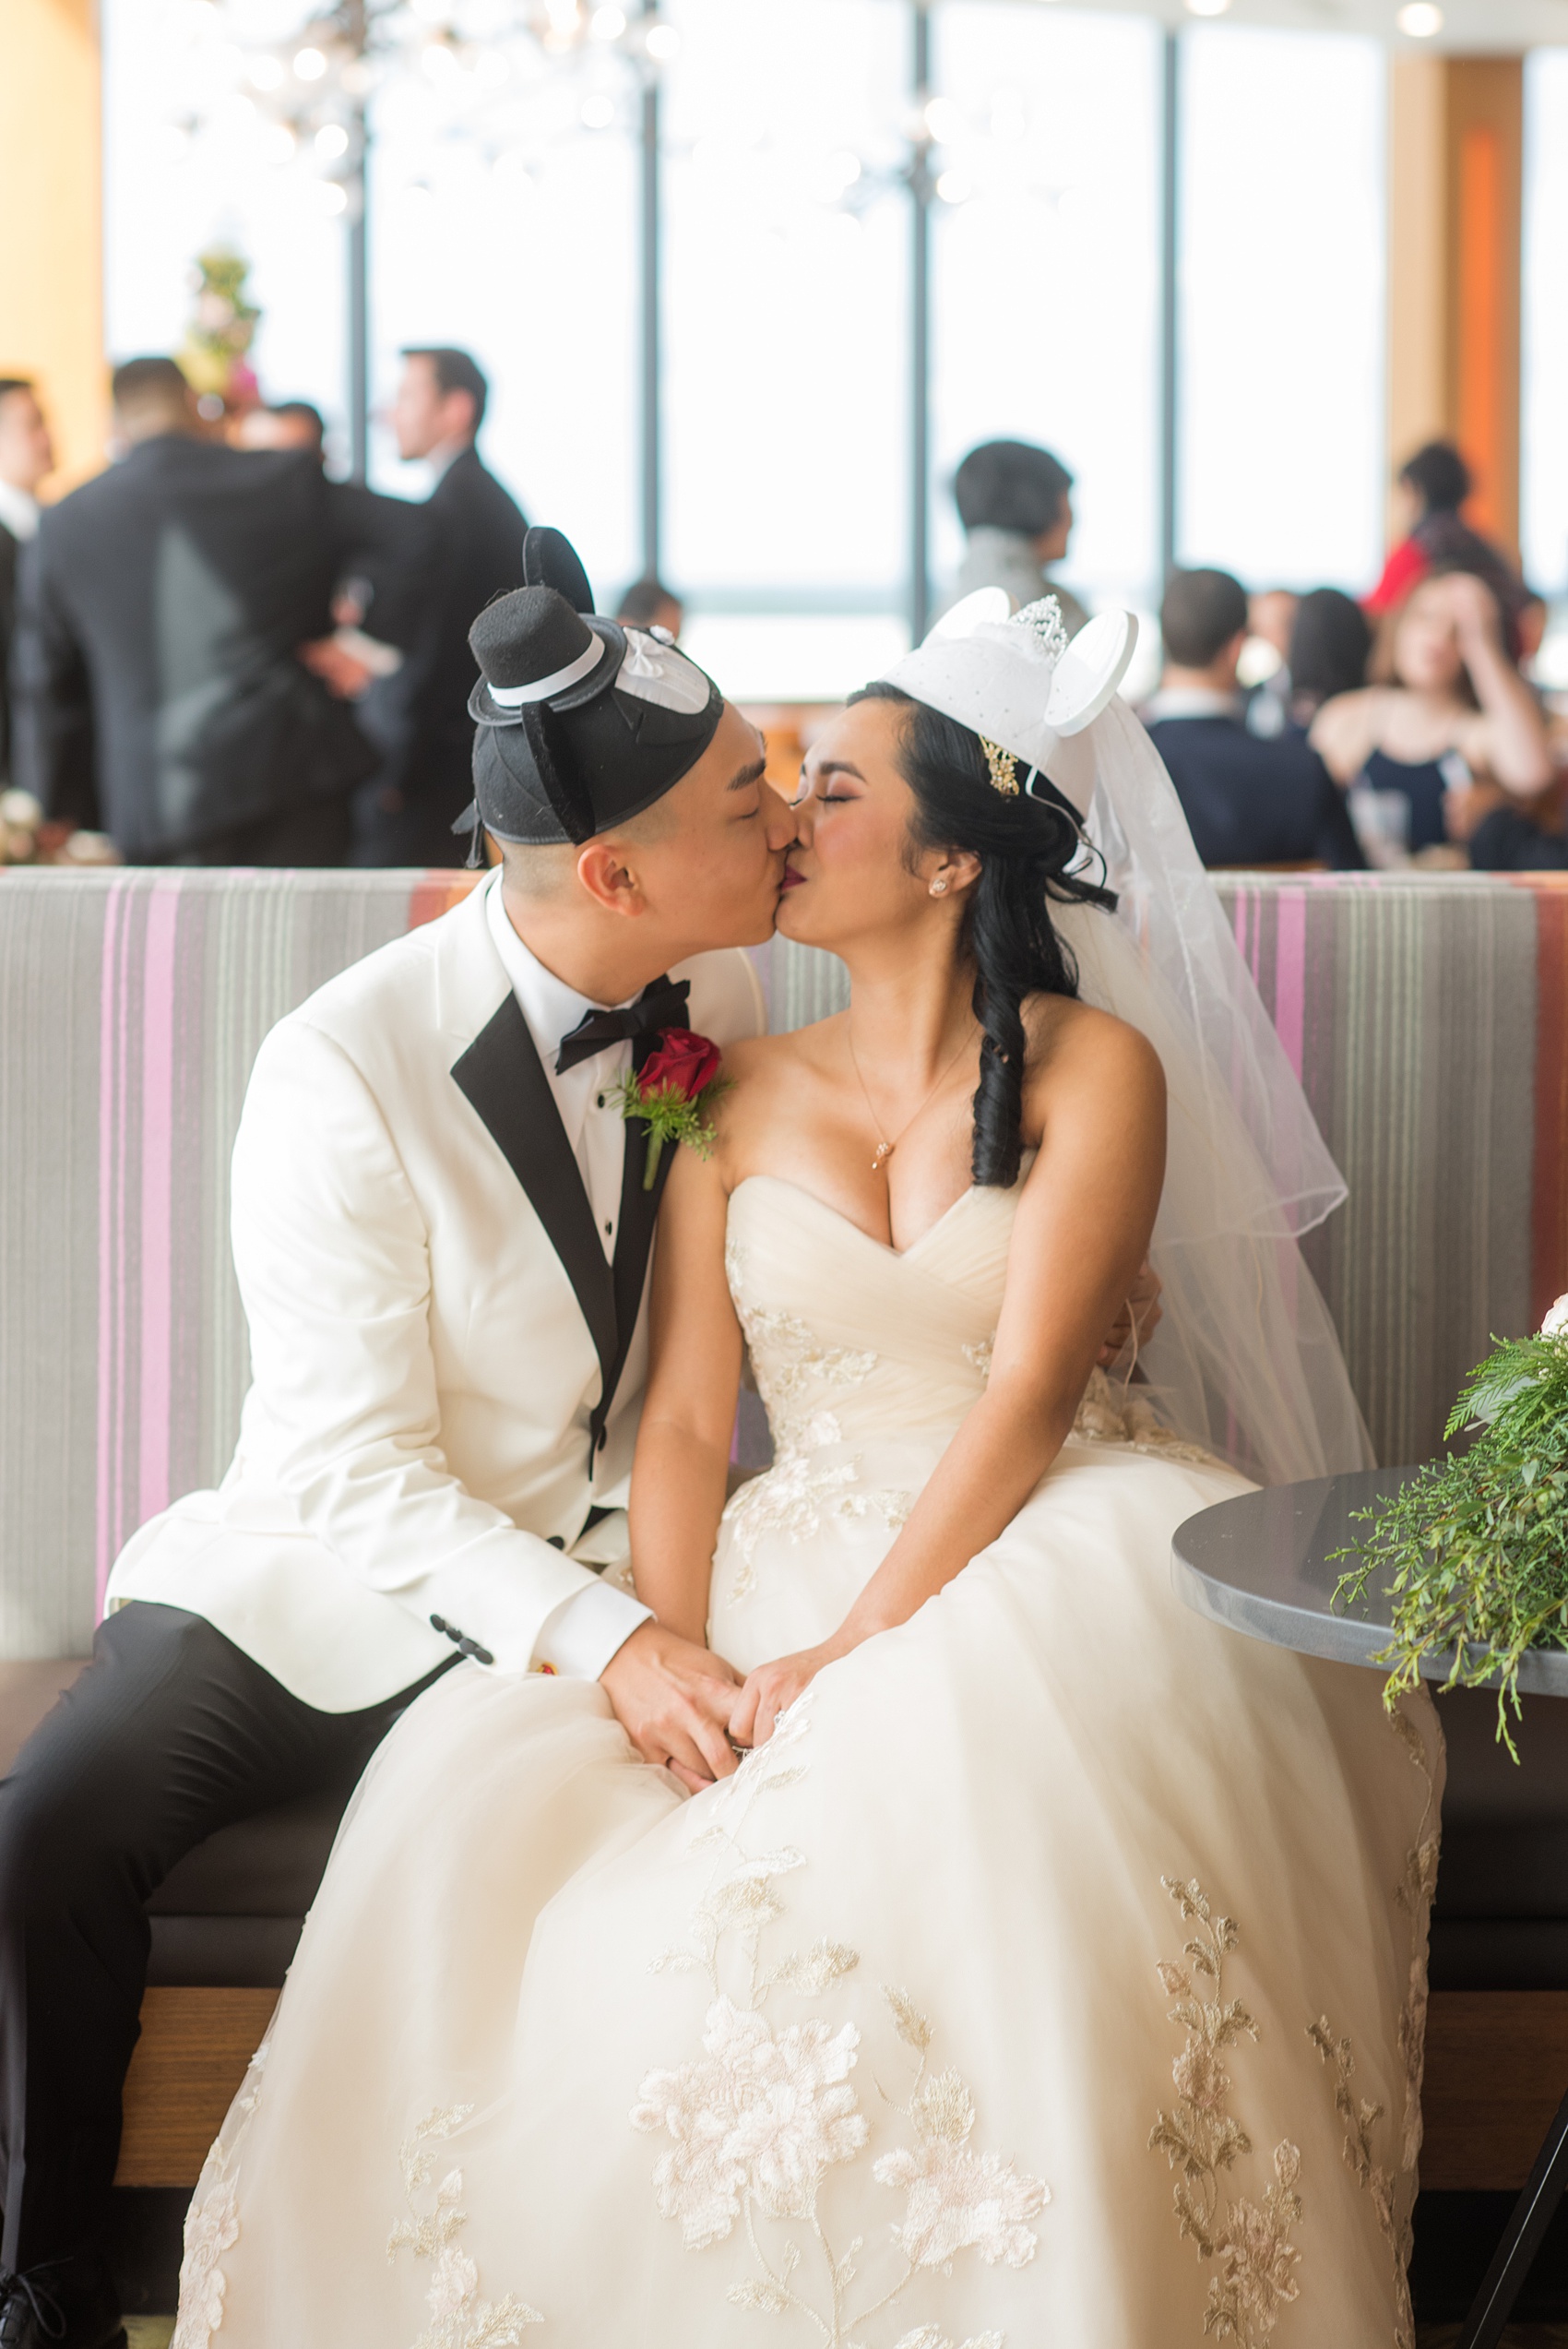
1015	680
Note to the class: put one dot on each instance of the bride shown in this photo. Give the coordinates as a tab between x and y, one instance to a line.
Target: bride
1050	1969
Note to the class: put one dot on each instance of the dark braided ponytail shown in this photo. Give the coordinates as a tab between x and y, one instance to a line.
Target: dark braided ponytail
1025	844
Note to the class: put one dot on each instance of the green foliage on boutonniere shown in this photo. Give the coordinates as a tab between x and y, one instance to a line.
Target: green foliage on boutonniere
672	1093
1475	1548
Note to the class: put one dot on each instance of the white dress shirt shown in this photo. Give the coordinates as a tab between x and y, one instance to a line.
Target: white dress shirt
587	1629
18	512
1191	701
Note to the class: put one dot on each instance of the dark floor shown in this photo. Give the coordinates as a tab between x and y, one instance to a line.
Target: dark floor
1444	2336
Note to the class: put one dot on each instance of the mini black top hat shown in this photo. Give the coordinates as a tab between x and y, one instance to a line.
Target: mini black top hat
580	722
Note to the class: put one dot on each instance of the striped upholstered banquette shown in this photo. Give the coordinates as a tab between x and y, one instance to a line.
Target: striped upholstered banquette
1428	1018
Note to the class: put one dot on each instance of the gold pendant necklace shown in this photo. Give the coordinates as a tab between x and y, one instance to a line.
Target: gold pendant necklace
885	1149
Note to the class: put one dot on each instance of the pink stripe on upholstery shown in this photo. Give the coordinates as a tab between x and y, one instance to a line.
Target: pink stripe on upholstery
1289	1005
1247	921
156	1266
111	1014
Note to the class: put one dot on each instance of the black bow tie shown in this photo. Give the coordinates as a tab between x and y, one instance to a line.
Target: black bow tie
662	1005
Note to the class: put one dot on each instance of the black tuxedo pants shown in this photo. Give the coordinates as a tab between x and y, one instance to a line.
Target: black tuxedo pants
169	1733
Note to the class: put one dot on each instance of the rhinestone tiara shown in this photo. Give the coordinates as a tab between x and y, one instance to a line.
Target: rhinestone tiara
1043	621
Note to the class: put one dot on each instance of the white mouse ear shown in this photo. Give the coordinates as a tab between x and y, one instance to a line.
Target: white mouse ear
987	607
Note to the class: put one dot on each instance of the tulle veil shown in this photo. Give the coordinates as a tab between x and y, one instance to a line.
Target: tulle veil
1246	1360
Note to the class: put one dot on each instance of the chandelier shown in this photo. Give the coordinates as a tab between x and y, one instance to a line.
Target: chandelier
314	85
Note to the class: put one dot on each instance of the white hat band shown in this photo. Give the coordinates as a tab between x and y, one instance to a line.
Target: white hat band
514	697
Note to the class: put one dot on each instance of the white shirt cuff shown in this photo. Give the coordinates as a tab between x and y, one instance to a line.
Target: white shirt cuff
582	1634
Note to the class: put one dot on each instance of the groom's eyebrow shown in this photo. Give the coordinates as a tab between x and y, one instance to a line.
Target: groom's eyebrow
748	776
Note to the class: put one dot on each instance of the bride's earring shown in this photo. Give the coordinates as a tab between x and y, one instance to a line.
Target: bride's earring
939	888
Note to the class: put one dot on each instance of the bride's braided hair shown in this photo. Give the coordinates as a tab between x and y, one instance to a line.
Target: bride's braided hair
1025	844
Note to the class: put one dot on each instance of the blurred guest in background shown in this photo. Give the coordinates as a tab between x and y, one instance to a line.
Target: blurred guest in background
1015	503
1270	617
1247	800
1330	646
1448	726
420	718
289	423
158	692
649	603
27	459
1432	486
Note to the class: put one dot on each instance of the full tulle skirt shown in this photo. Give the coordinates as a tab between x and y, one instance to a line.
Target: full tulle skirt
1056	1975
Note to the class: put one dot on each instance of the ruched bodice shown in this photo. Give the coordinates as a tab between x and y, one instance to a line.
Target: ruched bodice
851	1339
867	1358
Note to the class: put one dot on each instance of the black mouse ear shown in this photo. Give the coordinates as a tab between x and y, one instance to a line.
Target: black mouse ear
551	560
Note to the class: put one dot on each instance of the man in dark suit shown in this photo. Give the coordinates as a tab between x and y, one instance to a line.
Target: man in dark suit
159	694
27	459
420	718
1247	800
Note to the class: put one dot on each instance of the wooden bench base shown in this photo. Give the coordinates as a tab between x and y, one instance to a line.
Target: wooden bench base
1497	2068
189	2062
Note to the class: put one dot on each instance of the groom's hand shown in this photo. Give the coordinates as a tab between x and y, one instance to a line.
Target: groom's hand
1138	1317
673	1701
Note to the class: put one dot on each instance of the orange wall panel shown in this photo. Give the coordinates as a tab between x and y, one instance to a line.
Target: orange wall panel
51	200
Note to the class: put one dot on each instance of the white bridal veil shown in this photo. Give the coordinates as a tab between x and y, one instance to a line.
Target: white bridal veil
1246	1360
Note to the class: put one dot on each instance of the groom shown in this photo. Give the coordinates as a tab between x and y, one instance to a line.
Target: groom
442	1237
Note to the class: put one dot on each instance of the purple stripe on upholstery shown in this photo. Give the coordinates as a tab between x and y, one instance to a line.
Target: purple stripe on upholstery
1290	973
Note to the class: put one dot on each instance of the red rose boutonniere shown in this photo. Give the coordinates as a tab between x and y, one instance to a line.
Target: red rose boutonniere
677	1085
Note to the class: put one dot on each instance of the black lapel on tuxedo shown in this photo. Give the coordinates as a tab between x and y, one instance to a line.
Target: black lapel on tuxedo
502	1075
634	1235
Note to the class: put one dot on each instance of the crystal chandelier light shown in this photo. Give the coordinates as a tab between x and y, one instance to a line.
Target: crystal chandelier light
314	84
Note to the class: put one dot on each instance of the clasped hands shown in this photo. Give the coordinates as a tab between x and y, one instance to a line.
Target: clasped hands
687	1710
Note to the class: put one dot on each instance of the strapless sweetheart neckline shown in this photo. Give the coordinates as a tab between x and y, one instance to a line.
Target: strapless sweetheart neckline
837	1214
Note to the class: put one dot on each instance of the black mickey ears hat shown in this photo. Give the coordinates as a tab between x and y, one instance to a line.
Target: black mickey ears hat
580	722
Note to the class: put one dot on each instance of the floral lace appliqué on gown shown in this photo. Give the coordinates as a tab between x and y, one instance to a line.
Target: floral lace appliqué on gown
212	2222
758	2120
459	2318
1249	2242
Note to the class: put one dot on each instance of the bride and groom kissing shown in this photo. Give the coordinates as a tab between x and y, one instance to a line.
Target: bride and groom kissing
865	1910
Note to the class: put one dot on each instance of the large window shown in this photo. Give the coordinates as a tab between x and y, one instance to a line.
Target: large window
508	210
786	305
1046	281
190	161
1280	394
1543	501
510	226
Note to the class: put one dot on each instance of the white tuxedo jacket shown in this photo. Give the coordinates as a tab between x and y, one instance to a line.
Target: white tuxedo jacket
446	1372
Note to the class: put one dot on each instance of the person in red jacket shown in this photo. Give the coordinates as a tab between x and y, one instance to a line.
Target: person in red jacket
1434	483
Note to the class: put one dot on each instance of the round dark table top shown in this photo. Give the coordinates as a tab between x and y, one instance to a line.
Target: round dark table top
1260	1564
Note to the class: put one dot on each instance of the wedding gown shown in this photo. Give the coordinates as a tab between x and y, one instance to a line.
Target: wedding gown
1055	1975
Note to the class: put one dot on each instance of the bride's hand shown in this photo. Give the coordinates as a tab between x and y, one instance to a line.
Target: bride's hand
771	1689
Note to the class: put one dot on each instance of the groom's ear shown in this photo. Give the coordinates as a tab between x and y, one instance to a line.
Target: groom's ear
605	876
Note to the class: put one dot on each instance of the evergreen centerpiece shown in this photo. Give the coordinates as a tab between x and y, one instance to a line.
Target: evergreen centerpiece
672	1092
1475	1548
